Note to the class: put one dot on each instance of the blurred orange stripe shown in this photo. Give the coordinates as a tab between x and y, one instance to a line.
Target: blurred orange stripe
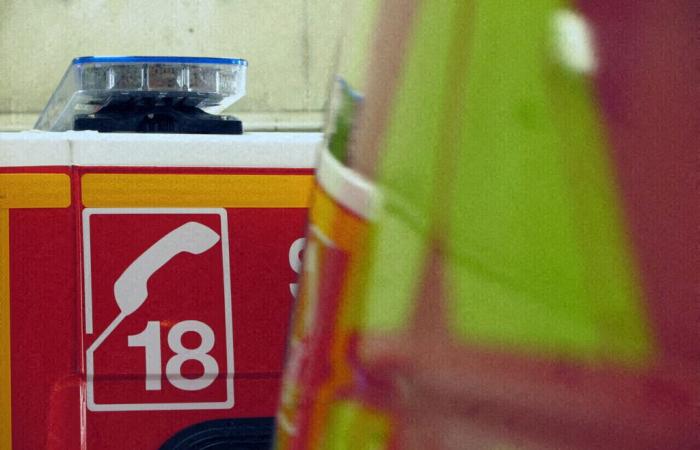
5	372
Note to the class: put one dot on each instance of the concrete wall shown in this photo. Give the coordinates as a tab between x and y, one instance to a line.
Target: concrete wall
290	46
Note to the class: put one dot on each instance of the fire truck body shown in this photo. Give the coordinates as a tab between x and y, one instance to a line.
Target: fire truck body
146	282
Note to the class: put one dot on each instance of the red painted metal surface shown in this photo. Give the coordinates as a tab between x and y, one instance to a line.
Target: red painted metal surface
49	342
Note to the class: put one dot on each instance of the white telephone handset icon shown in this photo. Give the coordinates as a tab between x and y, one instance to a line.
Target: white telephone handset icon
131	288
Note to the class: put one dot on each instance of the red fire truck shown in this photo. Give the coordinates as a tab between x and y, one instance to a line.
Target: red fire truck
145	286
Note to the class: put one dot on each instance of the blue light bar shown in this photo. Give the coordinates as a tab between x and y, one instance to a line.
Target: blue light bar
91	82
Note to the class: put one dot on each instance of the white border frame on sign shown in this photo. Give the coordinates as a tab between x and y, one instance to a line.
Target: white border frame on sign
87	267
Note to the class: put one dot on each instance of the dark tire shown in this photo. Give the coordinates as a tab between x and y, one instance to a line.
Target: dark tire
225	434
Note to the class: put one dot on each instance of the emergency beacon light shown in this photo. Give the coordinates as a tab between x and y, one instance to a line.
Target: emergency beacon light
160	94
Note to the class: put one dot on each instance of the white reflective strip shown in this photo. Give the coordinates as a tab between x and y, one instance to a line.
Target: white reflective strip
347	187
